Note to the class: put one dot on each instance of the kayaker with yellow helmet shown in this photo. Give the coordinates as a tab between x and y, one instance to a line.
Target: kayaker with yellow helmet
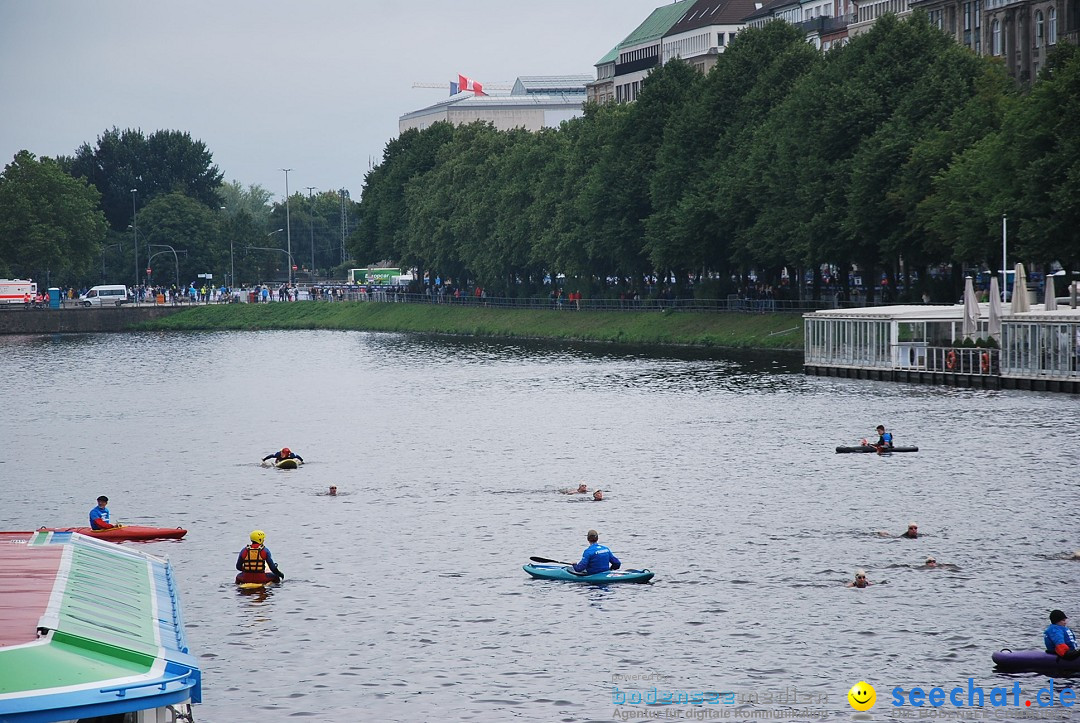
284	453
254	560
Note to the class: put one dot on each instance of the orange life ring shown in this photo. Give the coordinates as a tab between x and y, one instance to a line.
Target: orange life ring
986	362
950	359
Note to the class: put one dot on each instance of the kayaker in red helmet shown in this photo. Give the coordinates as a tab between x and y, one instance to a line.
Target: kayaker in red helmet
253	561
285	453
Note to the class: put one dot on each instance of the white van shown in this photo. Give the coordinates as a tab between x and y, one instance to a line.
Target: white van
105	296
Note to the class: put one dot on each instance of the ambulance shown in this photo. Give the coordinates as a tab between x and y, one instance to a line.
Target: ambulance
14	291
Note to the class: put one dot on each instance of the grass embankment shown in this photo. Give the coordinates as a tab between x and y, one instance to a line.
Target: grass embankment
730	330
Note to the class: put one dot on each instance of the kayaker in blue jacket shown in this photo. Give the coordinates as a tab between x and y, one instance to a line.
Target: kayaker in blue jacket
1058	639
99	515
885	442
597	557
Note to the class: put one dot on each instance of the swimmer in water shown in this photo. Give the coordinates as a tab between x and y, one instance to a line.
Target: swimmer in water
598	496
912	531
581	490
860	580
931	562
333	491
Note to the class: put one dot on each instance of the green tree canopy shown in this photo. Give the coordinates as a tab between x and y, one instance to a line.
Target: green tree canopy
50	225
167	161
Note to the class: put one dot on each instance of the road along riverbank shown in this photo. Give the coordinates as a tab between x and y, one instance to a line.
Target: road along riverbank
777	331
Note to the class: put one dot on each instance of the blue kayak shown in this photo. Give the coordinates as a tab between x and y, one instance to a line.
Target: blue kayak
561	572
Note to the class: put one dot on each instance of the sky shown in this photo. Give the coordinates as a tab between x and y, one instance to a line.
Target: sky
313	85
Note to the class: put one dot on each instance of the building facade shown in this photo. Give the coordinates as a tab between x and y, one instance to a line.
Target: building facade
535	102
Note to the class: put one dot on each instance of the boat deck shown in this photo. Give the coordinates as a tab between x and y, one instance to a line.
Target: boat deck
88	628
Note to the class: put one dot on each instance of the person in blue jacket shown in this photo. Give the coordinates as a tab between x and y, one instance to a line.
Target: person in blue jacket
1058	639
885	442
597	557
99	515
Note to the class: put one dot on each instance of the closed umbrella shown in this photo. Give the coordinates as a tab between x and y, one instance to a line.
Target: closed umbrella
1019	297
971	309
1051	299
993	326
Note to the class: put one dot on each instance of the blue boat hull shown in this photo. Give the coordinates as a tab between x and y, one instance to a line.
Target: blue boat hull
561	572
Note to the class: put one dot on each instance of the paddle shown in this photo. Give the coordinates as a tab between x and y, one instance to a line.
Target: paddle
544	559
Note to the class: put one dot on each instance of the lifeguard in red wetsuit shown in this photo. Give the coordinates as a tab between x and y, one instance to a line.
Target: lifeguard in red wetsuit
254	560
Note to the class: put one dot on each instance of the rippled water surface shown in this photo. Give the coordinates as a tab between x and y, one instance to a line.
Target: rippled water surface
405	598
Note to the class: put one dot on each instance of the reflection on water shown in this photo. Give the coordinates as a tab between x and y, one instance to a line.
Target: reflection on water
405	598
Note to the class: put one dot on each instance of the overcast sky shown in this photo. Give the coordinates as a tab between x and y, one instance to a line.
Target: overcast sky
312	85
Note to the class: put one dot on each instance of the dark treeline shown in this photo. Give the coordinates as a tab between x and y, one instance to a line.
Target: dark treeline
74	220
897	153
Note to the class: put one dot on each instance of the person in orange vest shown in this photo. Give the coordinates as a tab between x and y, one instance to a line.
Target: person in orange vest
254	560
26	299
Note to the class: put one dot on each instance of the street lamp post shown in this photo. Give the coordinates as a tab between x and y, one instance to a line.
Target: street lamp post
311	229
281	250
232	265
103	250
176	262
135	226
288	225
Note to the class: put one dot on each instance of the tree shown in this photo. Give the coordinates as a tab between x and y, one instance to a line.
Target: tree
50	225
166	162
192	230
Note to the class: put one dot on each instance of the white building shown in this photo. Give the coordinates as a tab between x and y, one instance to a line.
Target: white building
541	101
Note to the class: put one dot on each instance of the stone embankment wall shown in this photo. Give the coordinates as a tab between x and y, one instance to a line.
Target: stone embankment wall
78	320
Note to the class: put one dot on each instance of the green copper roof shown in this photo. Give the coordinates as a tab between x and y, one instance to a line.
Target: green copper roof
611	56
658	23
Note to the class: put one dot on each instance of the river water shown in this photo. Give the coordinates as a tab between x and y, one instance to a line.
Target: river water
405	599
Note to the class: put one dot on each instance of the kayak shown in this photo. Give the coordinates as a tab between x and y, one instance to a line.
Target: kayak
867	448
127	532
1033	661
561	572
287	463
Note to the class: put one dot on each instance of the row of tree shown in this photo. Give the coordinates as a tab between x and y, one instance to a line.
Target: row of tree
74	220
898	152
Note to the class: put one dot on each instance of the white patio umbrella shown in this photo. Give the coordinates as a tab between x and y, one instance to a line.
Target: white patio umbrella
1020	302
993	326
1051	299
971	309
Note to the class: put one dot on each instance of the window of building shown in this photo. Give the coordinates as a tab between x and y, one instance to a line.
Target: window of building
1051	30
995	37
1038	28
720	40
967	16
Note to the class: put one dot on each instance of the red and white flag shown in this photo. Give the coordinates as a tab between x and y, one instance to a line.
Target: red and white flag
470	84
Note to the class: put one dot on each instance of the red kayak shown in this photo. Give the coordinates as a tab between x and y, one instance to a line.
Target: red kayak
126	532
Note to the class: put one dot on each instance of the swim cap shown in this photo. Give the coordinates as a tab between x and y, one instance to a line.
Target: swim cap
1056	616
286	450
258	537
